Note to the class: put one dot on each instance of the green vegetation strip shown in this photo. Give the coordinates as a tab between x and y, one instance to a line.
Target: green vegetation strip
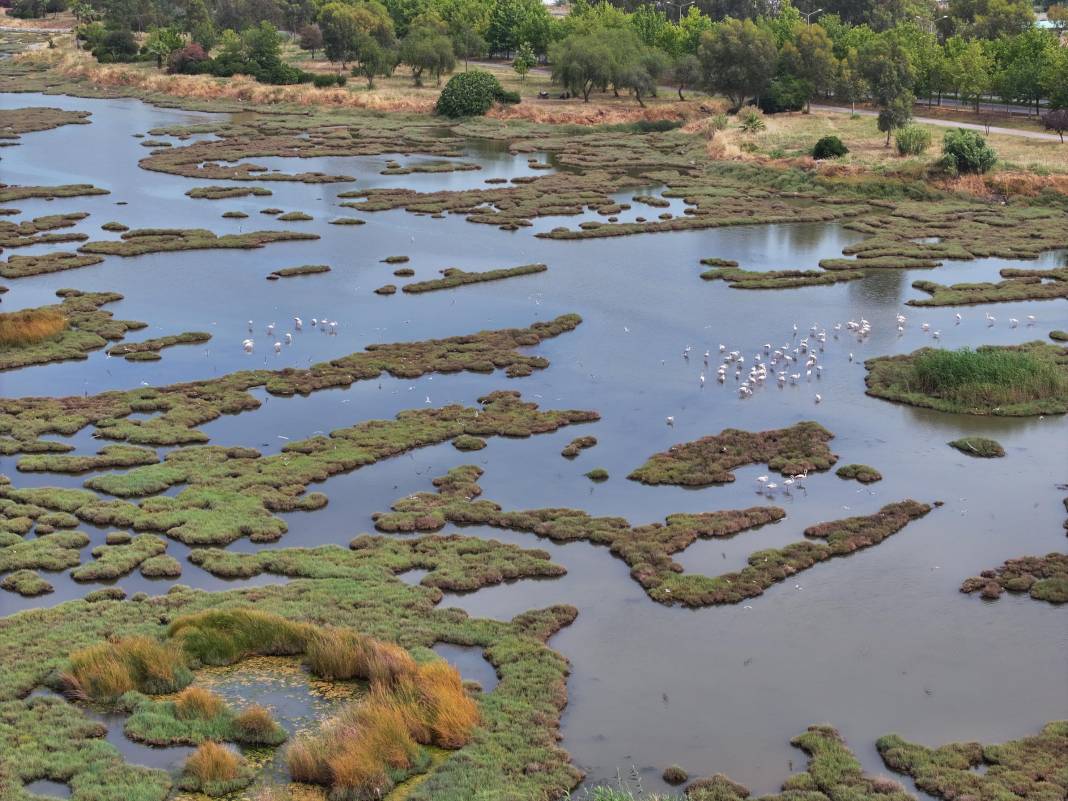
1019	285
978	446
234	492
577	445
307	269
36	231
859	472
181	408
454	277
54	262
1013	380
82	327
225	192
778	279
648	549
16	121
1044	578
108	457
26	583
149	349
164	240
790	451
9	193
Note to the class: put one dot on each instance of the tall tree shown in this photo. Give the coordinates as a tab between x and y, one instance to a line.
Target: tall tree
886	67
810	57
738	59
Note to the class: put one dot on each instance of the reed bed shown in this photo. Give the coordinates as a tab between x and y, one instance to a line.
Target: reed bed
986	376
30	326
105	671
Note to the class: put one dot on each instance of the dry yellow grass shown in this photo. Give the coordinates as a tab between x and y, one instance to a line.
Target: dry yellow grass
196	702
30	326
105	671
212	762
255	722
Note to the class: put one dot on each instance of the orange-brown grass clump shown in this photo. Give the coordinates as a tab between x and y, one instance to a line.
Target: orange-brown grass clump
255	724
30	326
196	702
376	742
104	671
215	770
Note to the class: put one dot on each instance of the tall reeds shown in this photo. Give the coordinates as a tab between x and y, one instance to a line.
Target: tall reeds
30	326
988	376
103	672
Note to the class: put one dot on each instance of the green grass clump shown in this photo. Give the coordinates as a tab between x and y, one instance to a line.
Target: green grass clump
166	240
779	279
1044	578
387	289
226	637
978	446
1020	380
598	474
9	194
675	774
466	442
105	671
577	445
221	192
859	472
26	583
1059	336
197	715
53	262
295	216
454	277
1019	285
110	456
215	770
396	259
307	269
114	561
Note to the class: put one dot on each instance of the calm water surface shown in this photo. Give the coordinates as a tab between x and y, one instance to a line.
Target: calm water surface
881	641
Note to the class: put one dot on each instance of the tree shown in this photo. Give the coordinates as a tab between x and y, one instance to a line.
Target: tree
967	151
524	60
991	19
1056	120
582	63
161	43
467	44
1058	17
343	25
886	67
1022	63
311	38
737	59
969	68
810	57
374	60
515	21
1055	79
427	48
686	72
849	82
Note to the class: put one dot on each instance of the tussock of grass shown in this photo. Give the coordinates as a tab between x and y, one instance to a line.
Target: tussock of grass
215	770
30	326
598	474
26	583
1059	336
223	638
103	672
222	192
196	702
978	446
860	472
577	445
779	279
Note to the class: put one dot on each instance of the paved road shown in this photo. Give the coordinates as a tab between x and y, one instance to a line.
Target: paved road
994	129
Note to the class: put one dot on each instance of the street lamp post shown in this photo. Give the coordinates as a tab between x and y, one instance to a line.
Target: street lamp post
679	6
810	15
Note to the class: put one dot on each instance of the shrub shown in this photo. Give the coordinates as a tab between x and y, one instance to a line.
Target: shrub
967	151
187	60
829	147
212	762
119	45
468	94
1056	120
255	726
506	96
673	774
912	140
196	702
325	81
751	119
30	326
785	93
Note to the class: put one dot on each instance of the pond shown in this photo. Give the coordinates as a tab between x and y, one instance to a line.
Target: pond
878	642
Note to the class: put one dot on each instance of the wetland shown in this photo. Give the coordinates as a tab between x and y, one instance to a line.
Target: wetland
322	512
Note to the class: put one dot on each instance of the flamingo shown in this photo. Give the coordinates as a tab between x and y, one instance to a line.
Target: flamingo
957	316
818	397
289	338
670	420
247	345
298	323
277	347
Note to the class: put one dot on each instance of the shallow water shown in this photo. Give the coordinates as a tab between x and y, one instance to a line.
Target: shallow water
877	642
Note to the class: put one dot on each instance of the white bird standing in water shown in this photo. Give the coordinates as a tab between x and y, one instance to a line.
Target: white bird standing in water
670	420
957	316
247	345
277	347
250	326
270	329
818	397
298	323
702	379
289	338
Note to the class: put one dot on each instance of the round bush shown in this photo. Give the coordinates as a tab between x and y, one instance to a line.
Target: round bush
675	774
967	151
912	140
829	147
468	94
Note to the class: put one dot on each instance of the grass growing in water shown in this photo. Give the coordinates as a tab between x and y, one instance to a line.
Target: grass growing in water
988	377
30	326
978	446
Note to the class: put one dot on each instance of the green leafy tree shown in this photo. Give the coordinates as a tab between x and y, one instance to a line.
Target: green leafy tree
686	72
427	49
738	59
1022	61
969	68
1055	79
691	27
161	43
991	19
888	71
524	60
850	85
582	63
468	44
374	60
649	23
810	57
1058	17
514	21
967	151
311	38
